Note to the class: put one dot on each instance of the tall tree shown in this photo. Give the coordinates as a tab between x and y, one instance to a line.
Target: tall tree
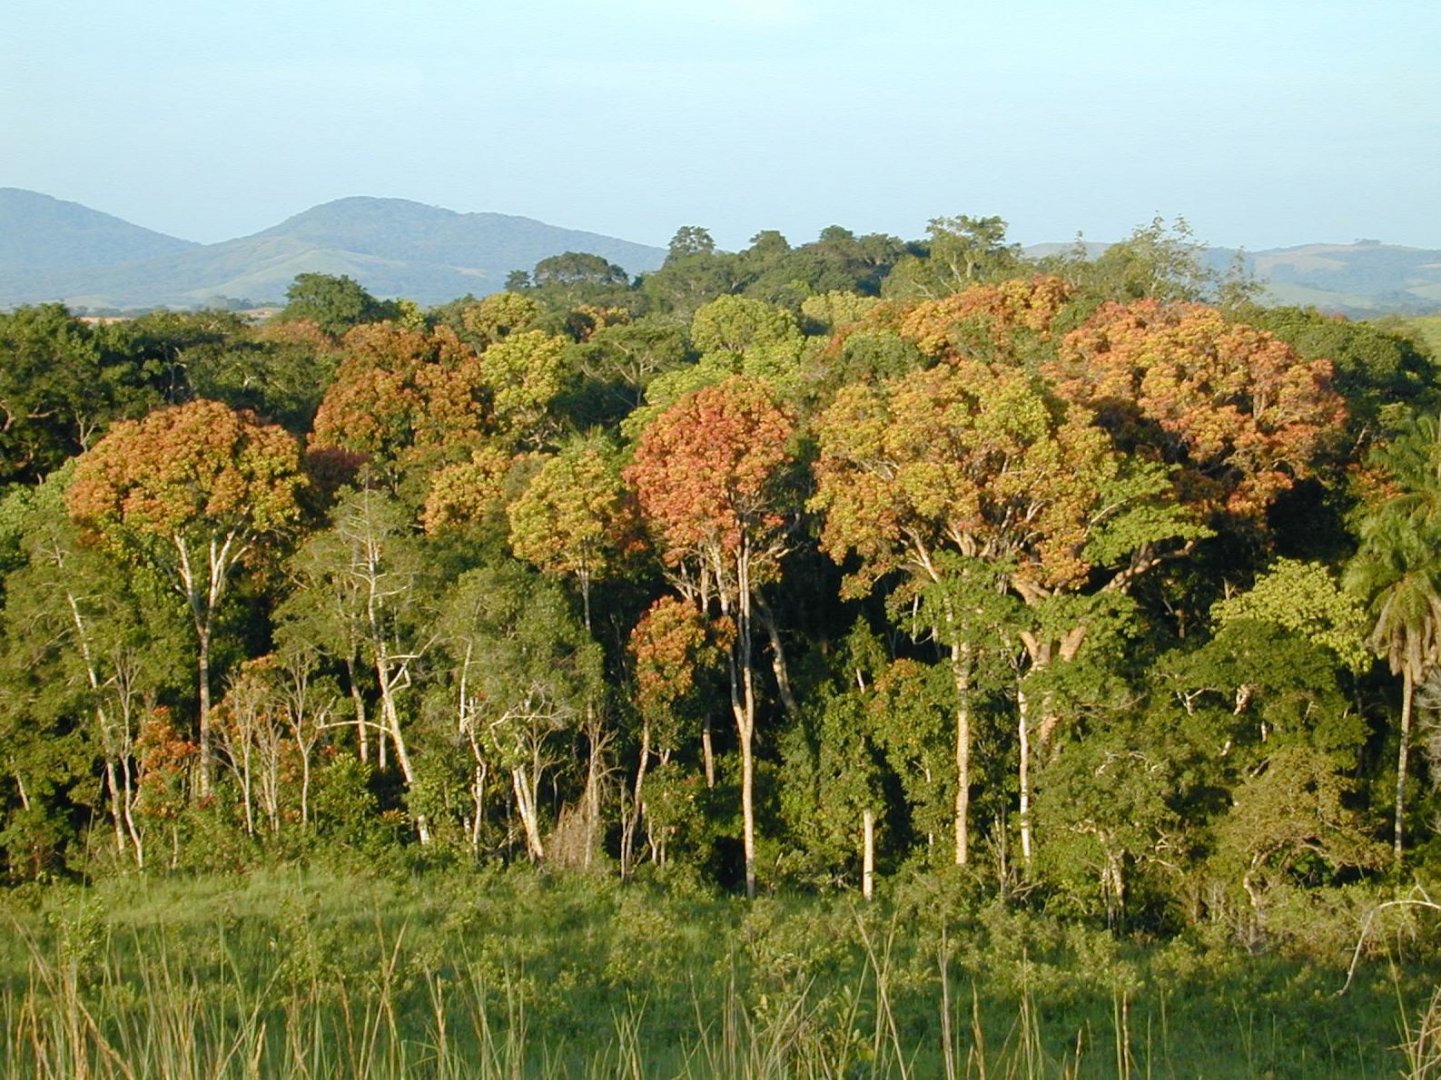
405	399
1397	570
362	591
194	492
523	671
709	474
1240	415
333	303
974	479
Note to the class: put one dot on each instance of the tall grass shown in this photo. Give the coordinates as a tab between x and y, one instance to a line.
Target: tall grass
508	976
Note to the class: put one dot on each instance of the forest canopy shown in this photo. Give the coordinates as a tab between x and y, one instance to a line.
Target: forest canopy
785	566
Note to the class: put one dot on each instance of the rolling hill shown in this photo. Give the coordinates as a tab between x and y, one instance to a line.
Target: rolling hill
393	247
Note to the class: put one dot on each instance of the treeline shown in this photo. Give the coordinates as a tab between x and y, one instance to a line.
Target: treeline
782	567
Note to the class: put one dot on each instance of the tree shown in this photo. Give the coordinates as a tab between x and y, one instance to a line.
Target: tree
82	643
60	385
362	591
194	492
574	518
523	670
961	251
1241	416
1397	571
467	493
333	303
732	324
974	480
709	474
689	240
523	374
1156	262
1385	375
673	648
577	268
405	399
1012	322
625	358
497	316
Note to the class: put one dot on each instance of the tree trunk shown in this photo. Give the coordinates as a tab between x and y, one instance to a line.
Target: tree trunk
778	658
525	806
358	700
391	717
743	700
1023	734
202	630
961	672
627	841
1408	694
868	854
707	753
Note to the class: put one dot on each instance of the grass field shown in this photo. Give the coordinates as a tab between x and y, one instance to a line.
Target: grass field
322	974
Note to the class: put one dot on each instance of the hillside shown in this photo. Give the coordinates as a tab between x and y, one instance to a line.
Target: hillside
46	235
392	246
1364	278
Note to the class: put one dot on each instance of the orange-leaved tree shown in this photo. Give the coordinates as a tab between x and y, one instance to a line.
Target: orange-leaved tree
404	398
671	645
193	491
1238	413
710	474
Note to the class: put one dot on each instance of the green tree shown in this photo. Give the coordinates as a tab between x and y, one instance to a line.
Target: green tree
960	251
333	303
689	240
523	671
61	384
1397	571
85	649
362	591
574	517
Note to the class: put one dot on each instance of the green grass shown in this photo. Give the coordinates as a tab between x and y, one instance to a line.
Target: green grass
312	974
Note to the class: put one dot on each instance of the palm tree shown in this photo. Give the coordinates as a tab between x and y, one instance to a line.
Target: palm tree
1397	569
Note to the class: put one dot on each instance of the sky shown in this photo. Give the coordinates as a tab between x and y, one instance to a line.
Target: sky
1264	123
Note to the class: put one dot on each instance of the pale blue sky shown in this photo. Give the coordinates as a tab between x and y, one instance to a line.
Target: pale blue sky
1264	122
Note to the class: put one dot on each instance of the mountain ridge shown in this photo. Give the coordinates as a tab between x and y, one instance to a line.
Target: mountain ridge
394	247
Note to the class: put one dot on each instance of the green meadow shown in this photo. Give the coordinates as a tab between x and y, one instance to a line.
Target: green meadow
445	973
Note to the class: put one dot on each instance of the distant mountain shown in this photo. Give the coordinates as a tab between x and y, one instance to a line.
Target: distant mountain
393	247
45	235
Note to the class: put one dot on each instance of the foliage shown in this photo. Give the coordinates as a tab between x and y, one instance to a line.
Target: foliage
1000	565
333	303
